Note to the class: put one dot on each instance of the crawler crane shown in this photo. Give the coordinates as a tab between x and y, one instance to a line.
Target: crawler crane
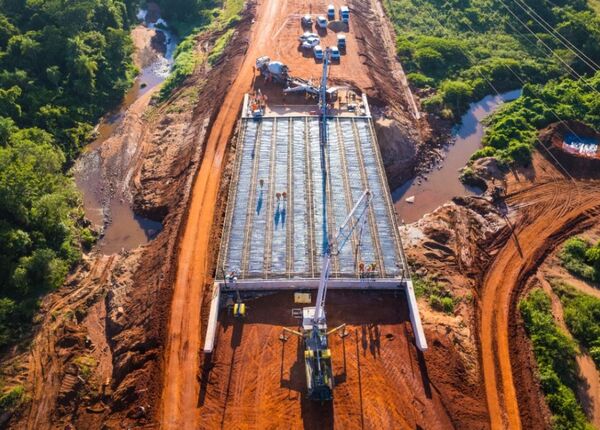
317	355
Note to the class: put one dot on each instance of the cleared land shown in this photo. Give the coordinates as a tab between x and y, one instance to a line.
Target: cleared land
548	210
257	381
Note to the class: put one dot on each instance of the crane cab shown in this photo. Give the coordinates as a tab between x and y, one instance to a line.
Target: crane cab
317	359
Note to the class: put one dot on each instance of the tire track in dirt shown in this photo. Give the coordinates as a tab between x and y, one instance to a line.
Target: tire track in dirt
179	405
539	228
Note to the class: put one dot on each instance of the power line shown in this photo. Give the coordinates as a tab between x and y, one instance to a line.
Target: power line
549	108
498	93
547	47
562	39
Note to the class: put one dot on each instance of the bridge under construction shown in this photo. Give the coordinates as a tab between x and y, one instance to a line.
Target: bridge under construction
278	211
288	191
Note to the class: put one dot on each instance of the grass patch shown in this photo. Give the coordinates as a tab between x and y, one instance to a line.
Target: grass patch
86	365
438	296
220	45
186	59
582	316
555	355
11	398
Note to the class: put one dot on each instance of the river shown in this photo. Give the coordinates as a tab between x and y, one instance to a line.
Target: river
443	182
122	228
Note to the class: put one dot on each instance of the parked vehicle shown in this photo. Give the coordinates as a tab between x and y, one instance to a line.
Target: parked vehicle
341	41
321	22
344	14
311	42
306	21
307	35
318	52
331	12
334	53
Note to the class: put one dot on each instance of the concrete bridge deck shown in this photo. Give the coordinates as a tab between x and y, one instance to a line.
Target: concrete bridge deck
282	206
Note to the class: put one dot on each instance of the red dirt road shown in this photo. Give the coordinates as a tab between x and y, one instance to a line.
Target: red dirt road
180	389
549	212
275	34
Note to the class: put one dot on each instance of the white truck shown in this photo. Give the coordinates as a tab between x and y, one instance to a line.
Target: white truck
344	14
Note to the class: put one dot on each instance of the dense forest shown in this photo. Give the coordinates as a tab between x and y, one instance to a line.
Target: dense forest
62	65
467	49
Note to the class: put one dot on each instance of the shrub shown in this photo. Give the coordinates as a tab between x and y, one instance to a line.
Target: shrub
420	80
428	59
13	397
555	355
88	238
220	45
86	365
578	256
582	316
517	153
456	94
469	177
486	151
439	297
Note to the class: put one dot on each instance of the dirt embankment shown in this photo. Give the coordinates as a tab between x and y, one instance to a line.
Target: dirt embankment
403	132
491	252
553	137
97	351
453	246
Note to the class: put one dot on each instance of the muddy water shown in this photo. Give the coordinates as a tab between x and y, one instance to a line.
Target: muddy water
104	207
442	183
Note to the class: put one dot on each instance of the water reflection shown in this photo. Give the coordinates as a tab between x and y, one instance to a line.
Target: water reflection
442	183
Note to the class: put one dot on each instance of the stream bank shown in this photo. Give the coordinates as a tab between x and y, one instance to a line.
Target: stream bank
442	184
103	171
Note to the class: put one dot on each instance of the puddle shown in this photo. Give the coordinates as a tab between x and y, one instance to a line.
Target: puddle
123	229
442	183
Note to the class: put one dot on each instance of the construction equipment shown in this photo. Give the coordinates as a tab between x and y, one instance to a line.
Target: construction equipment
272	70
317	355
239	307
